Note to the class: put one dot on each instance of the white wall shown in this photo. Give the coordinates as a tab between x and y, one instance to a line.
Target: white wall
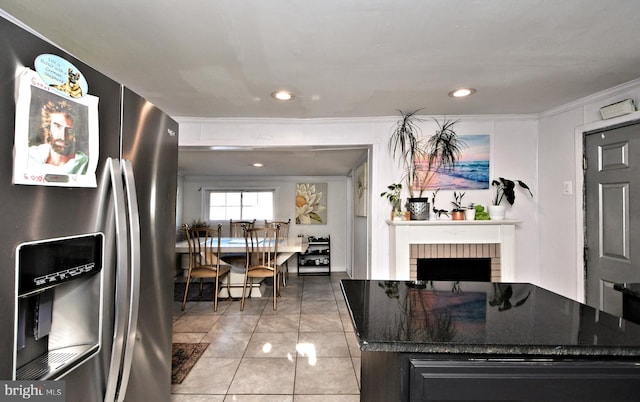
560	227
514	155
285	188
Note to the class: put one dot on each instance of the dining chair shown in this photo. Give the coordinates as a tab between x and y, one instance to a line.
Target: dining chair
205	261
283	258
262	250
236	228
284	226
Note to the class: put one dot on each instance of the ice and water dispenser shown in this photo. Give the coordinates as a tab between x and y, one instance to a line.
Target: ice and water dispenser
58	306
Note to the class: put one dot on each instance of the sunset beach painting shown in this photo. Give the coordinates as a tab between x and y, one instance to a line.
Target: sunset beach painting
471	171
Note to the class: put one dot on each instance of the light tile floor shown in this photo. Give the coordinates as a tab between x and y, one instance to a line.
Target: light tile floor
305	351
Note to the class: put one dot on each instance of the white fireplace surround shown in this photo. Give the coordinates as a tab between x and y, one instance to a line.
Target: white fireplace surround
404	234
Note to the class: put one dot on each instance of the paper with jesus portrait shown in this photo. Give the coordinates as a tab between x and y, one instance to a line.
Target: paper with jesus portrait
32	164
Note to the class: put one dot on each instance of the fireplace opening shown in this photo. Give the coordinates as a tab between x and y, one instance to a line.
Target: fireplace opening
454	269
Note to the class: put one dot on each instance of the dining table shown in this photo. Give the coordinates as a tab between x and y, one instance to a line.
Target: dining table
236	246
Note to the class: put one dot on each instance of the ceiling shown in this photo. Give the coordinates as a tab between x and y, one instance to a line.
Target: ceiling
348	58
292	161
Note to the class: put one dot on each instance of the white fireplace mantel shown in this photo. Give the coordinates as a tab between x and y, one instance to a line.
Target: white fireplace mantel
404	233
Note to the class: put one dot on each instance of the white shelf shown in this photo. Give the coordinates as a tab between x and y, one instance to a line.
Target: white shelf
448	222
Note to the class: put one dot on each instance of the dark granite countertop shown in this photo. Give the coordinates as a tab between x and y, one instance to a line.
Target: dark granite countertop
631	289
483	318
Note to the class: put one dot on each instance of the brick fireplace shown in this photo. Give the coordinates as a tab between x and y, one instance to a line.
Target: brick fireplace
410	240
455	251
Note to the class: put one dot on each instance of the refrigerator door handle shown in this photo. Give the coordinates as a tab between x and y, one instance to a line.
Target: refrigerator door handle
134	290
122	280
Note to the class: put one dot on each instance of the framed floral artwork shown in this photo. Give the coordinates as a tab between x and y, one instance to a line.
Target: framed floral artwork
311	203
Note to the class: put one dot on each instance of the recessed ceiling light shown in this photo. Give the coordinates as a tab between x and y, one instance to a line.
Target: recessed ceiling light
462	92
282	95
257	164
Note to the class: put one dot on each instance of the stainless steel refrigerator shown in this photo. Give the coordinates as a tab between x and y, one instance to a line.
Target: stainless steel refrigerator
131	247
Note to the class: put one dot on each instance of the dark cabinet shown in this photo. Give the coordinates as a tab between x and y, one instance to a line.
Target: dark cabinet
389	376
522	380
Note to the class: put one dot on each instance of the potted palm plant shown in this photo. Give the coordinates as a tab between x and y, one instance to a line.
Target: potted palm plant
421	160
505	190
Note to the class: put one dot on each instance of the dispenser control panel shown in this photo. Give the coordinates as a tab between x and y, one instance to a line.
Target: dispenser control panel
47	263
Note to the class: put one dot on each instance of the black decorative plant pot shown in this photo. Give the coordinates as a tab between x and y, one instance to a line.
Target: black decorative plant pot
418	209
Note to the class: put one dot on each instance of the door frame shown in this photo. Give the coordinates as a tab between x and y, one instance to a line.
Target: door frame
580	192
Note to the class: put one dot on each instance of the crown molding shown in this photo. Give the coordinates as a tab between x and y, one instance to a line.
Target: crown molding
593	98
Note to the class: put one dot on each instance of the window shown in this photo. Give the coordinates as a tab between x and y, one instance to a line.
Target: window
240	205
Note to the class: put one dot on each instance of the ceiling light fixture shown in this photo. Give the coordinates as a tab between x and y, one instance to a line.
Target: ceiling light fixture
282	95
257	164
462	92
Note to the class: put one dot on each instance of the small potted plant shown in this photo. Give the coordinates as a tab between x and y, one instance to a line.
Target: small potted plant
470	212
457	213
393	196
480	214
505	190
198	224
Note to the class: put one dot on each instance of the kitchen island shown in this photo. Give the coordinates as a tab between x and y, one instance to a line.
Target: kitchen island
424	341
